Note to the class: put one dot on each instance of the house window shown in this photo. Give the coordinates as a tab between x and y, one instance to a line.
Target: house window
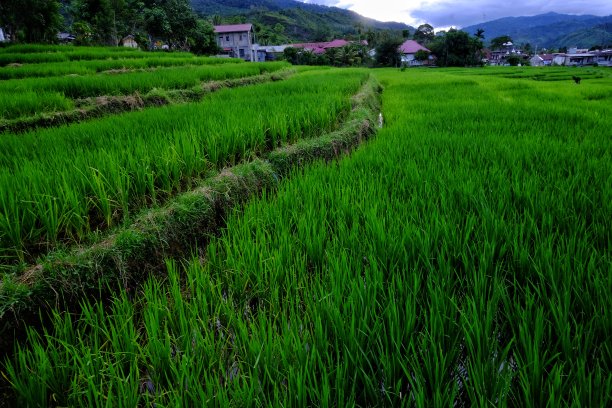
227	38
242	53
240	37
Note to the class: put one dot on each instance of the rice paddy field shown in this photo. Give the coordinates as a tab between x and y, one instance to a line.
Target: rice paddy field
461	257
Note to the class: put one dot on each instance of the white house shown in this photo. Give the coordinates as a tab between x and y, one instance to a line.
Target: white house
2	38
129	41
536	61
408	50
604	58
559	59
237	41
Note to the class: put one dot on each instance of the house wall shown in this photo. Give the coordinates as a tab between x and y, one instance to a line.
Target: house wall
408	59
241	44
604	60
130	43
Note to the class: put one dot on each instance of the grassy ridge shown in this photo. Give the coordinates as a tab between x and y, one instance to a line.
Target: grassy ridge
463	256
62	183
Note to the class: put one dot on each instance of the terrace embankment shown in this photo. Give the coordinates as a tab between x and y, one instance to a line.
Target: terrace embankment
100	106
131	254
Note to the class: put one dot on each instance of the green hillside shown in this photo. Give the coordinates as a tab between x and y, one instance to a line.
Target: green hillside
300	21
551	30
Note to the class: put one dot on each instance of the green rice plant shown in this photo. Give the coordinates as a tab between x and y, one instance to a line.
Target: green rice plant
461	257
127	83
27	103
96	66
20	54
93	173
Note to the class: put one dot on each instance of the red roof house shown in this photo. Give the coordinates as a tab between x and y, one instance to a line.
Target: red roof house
321	47
408	49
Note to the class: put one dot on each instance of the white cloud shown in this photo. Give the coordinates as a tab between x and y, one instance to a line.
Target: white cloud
458	13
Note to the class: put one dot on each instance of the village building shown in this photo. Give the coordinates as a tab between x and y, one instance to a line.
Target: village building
271	52
536	61
2	37
129	41
409	49
603	58
65	38
237	41
320	47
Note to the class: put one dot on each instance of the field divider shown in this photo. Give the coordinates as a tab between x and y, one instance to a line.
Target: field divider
100	106
131	254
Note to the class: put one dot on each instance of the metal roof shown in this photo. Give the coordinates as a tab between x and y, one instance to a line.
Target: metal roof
234	28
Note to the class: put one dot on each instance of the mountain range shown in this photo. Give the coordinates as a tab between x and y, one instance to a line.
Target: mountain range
312	22
301	21
550	30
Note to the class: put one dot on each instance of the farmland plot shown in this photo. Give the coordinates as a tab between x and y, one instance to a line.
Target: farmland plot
62	183
462	257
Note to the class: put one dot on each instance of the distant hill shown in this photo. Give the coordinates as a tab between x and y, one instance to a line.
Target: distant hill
550	30
302	21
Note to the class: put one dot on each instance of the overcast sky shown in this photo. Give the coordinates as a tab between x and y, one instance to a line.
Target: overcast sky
461	13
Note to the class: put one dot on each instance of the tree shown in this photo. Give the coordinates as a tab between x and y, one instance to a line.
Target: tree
202	39
388	54
172	21
479	33
457	49
498	42
527	48
291	55
513	60
421	55
424	34
31	21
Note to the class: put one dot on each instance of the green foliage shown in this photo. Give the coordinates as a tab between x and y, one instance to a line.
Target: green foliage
513	60
301	22
31	21
497	43
387	52
109	21
421	55
424	34
202	40
457	49
551	30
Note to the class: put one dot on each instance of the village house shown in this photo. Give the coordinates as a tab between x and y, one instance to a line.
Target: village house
409	49
603	58
237	41
271	52
500	57
65	38
129	41
2	38
536	61
320	47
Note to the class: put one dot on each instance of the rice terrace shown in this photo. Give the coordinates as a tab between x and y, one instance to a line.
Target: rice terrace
178	230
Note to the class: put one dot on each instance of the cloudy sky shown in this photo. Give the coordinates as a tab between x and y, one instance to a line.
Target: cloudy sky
461	13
